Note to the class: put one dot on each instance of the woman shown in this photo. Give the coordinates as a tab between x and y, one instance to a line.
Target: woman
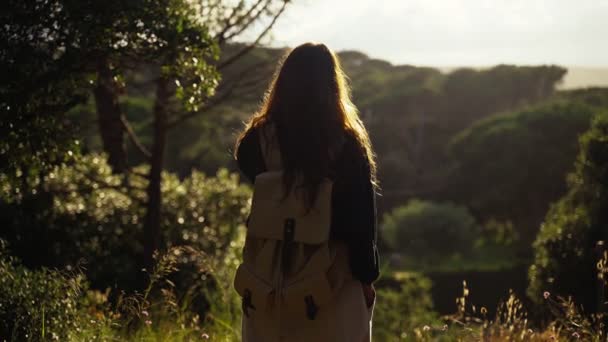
320	136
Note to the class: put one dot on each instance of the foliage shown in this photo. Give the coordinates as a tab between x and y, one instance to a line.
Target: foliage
175	317
420	109
510	167
402	105
566	249
37	305
83	211
596	97
177	40
54	47
570	319
403	311
204	141
430	232
402	307
49	305
512	322
473	94
42	77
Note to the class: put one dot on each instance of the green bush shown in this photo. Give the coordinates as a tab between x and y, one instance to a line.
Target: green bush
51	305
82	211
430	231
36	305
565	249
403	305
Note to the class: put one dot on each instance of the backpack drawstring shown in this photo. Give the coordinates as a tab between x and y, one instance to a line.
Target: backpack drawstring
289	227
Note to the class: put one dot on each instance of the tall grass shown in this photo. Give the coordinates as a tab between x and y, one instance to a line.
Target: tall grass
161	313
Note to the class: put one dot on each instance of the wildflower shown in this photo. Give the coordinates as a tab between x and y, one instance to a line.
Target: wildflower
426	328
148	322
445	327
576	335
546	294
145	313
205	336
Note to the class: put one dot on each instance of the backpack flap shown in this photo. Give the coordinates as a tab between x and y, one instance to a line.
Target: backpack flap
270	210
253	290
308	295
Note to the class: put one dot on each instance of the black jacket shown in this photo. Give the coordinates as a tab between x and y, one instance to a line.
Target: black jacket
353	201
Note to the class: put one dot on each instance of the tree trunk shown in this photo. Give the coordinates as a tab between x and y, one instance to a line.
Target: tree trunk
109	118
152	233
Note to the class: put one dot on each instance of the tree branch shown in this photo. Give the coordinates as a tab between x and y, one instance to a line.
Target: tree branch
133	137
229	85
248	48
221	37
252	18
241	75
224	95
216	100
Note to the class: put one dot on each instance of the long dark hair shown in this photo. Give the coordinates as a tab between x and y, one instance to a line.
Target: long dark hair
309	104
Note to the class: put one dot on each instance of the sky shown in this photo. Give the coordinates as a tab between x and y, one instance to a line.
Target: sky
447	33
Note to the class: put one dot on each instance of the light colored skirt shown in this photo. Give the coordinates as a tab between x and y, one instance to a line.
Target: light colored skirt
345	320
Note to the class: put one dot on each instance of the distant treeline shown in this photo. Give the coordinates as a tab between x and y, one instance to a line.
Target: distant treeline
414	115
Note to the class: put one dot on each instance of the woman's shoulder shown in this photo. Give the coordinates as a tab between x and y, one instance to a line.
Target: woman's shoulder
263	130
249	155
253	138
250	137
351	146
352	156
247	144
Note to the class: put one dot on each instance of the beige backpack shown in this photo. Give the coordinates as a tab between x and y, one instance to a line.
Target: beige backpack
291	270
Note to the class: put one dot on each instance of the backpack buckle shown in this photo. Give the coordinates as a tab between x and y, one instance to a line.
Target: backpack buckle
289	229
311	307
246	302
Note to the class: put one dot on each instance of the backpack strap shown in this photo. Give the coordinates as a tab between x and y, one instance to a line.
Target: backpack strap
271	154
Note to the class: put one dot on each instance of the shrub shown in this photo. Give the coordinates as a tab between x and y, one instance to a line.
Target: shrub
430	231
565	249
36	305
83	211
403	306
51	305
511	322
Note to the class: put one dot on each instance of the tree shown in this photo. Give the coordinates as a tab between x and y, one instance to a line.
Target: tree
137	46
473	94
43	67
101	42
180	40
195	80
510	167
179	47
566	256
413	112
